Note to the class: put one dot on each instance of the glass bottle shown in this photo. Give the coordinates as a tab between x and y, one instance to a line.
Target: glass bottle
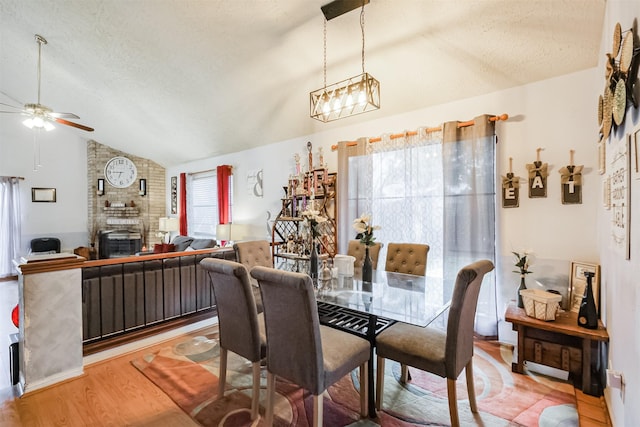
588	315
367	266
313	262
521	287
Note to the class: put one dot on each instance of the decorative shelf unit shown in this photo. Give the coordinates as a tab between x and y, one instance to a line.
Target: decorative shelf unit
315	190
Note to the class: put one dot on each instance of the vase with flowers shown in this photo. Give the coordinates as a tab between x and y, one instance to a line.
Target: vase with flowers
313	220
364	231
522	262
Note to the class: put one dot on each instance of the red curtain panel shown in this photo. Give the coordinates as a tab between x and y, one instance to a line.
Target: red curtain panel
224	213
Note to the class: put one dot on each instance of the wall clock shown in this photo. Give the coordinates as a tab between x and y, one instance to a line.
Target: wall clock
120	172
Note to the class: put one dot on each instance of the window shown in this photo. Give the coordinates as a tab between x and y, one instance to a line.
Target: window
426	189
202	204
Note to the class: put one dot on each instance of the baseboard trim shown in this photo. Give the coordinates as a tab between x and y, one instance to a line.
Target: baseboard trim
116	351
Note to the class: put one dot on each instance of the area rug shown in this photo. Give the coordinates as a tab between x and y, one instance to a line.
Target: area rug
188	373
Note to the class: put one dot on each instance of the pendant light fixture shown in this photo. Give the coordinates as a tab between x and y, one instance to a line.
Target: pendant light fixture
355	95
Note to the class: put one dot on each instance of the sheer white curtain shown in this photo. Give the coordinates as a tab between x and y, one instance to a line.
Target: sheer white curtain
436	188
9	224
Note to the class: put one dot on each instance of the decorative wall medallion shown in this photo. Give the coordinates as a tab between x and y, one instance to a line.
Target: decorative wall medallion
621	69
619	102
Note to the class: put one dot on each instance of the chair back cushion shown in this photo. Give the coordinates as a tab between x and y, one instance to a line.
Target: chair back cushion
294	349
407	258
357	250
237	315
462	313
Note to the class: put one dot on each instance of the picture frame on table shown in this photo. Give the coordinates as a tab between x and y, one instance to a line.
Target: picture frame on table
578	284
44	195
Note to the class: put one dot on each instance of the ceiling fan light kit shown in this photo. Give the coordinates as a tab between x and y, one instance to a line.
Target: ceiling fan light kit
355	95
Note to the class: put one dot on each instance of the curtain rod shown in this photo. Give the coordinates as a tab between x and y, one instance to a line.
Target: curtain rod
208	170
16	177
433	129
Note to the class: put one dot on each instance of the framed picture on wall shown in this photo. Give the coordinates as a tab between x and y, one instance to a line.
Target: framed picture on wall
174	195
46	195
602	157
578	284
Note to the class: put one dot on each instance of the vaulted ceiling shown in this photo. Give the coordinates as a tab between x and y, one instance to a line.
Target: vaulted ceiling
179	80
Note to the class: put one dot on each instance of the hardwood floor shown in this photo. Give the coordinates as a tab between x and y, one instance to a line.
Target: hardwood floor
113	393
110	393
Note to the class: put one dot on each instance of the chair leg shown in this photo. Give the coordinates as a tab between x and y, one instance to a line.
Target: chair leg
317	410
453	403
364	389
471	391
222	375
271	388
255	401
379	382
404	373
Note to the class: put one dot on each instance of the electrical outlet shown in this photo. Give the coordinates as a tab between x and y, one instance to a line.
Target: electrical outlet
615	379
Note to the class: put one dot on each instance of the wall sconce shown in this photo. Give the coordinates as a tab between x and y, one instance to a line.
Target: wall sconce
143	187
100	190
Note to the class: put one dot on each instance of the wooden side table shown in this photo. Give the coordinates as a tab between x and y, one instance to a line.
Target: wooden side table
560	343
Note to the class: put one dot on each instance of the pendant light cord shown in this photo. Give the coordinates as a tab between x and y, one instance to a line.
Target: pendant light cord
325	53
362	28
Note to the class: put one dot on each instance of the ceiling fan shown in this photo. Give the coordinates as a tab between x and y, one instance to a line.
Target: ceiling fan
40	116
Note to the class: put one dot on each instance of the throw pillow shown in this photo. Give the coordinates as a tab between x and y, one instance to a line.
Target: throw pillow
203	243
182	242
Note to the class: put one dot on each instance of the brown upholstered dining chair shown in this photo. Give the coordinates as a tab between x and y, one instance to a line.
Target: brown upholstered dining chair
356	249
301	350
407	258
241	327
442	353
250	254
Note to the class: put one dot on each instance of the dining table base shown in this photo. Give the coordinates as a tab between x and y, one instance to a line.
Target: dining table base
367	326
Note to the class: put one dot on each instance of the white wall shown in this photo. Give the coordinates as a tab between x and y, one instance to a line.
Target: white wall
621	298
63	157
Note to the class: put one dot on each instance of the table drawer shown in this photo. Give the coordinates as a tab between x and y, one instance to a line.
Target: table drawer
552	354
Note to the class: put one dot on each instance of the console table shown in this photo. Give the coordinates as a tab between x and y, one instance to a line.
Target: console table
560	343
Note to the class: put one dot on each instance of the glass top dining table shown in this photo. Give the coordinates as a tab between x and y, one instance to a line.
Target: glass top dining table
417	300
366	309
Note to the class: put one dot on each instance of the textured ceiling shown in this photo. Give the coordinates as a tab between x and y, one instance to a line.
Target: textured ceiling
179	80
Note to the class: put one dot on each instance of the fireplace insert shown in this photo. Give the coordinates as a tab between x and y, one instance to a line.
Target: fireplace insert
119	243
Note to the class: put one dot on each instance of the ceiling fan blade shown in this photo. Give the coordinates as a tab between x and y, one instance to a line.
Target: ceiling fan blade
63	115
11	106
75	125
11	98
